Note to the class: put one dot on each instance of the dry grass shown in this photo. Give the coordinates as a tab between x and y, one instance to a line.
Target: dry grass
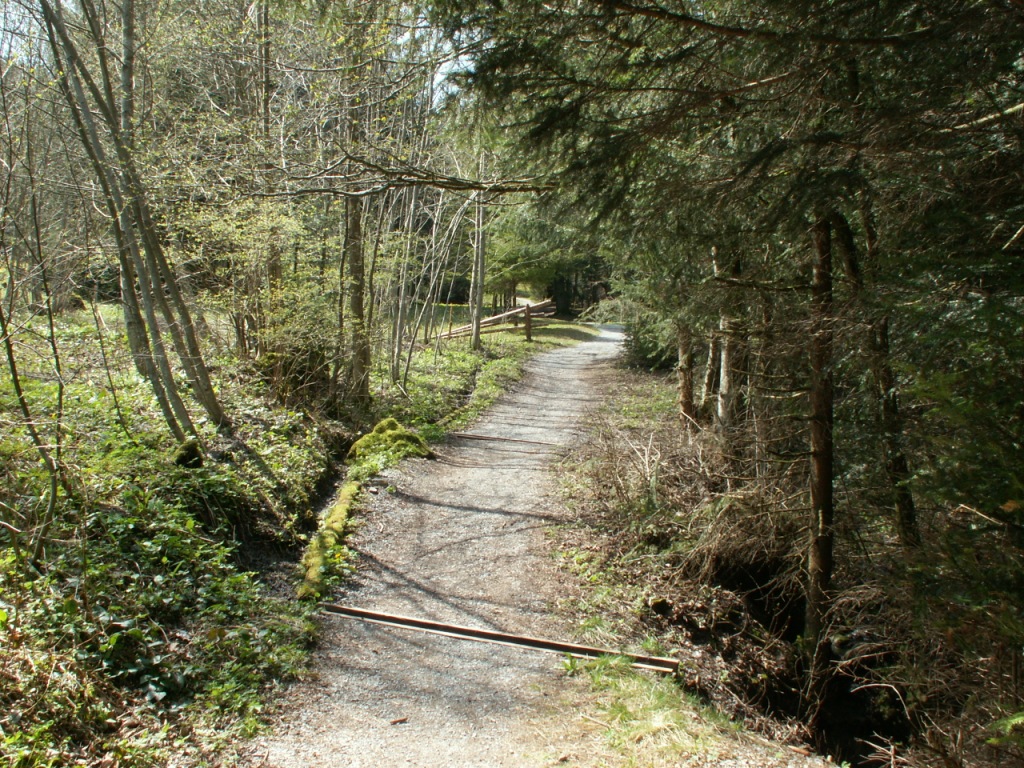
702	554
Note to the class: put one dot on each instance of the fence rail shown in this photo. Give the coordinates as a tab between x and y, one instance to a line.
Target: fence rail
526	312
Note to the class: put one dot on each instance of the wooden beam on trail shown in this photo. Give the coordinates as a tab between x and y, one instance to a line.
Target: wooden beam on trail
471	436
529	310
654	663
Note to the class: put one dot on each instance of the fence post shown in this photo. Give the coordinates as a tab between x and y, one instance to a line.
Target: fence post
527	324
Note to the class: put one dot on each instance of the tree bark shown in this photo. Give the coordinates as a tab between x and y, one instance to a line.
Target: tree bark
725	405
684	369
820	558
897	469
711	370
359	382
477	293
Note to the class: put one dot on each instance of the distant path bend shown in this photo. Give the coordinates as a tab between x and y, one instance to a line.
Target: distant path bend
459	540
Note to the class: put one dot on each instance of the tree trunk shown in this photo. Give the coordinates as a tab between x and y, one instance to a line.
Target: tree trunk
398	325
150	358
711	369
897	469
359	382
122	184
143	334
263	22
477	293
728	357
684	369
820	558
339	357
758	373
726	403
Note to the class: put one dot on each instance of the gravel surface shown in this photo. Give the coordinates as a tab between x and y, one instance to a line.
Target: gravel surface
461	540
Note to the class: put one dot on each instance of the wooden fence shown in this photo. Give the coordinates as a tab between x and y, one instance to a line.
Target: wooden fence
526	312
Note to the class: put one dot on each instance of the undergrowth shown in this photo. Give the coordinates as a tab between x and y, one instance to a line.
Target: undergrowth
673	552
129	627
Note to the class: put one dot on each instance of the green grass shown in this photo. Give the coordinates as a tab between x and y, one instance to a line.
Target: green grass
648	718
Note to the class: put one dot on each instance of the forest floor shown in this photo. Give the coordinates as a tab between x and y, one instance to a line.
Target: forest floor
466	539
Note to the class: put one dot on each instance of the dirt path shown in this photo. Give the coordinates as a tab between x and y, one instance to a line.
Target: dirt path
461	539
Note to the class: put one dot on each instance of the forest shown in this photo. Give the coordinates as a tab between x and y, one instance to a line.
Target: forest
234	234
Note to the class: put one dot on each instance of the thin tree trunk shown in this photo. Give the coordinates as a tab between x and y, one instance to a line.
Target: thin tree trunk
398	326
477	293
263	22
342	294
684	369
820	558
759	369
98	320
166	376
897	469
711	370
147	352
59	472
125	191
359	385
726	396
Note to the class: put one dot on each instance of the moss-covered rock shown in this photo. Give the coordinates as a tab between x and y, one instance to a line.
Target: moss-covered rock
189	454
391	440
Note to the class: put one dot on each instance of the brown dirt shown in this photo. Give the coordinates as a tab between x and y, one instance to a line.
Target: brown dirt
462	539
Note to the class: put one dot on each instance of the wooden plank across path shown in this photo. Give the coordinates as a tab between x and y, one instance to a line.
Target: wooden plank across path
655	663
499	439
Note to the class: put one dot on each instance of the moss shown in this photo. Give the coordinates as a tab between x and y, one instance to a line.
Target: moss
326	552
189	454
390	439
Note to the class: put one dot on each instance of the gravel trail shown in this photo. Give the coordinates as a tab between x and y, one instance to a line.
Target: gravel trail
460	539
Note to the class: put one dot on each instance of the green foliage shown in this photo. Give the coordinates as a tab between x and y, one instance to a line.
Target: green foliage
650	341
973	412
143	610
553	256
1010	729
136	625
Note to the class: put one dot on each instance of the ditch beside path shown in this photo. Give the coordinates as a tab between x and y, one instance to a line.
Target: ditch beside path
461	540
